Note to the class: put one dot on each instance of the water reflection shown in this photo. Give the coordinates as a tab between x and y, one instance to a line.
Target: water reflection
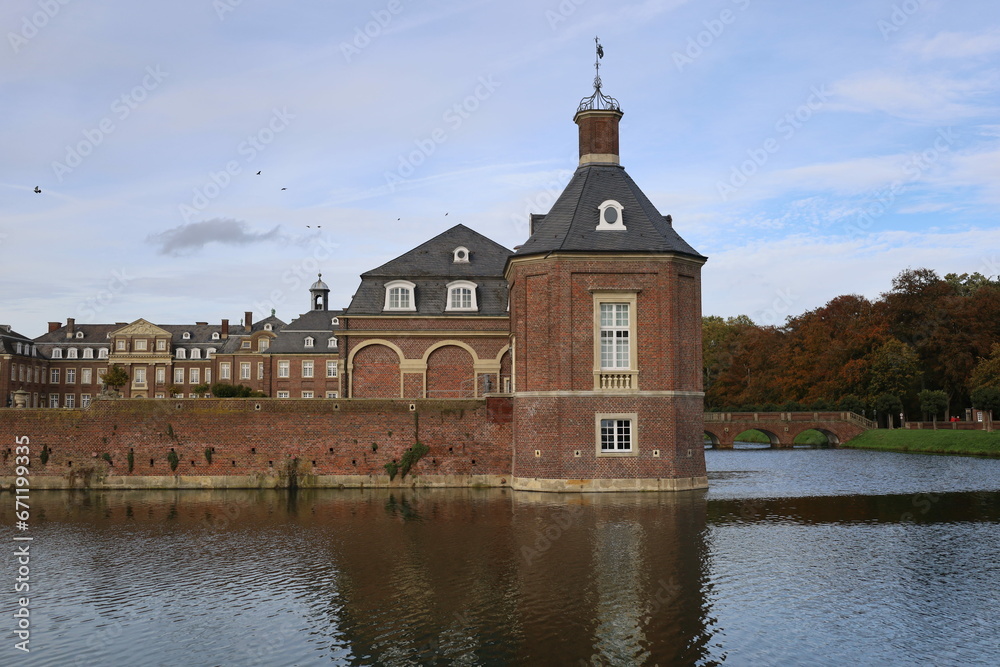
770	565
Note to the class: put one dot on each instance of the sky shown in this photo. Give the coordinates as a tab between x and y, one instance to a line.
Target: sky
808	149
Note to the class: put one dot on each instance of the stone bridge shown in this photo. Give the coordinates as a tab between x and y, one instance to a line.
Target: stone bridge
721	428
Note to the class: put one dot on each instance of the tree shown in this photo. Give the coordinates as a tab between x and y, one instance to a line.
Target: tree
986	398
933	402
223	390
852	403
888	405
895	368
116	378
174	390
200	390
987	372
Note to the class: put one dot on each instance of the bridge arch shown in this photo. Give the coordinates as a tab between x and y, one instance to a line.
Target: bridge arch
712	439
832	439
770	435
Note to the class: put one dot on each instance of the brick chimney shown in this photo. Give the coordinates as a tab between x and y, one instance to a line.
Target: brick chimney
598	135
53	326
248	320
70	327
225	329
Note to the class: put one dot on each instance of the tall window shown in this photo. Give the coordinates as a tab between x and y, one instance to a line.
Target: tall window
283	367
53	400
70	400
161	375
70	375
139	376
54	376
331	368
194	375
244	370
616	435
307	369
85	375
178	376
224	370
84	400
614	335
260	370
263	344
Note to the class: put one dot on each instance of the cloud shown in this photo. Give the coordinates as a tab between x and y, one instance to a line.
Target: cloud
956	45
194	236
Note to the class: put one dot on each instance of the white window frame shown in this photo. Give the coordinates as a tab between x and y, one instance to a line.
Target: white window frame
88	353
195	353
618	421
53	376
618	225
453	290
244	370
283	394
102	353
186	335
308	368
69	400
460	255
86	375
194	375
616	377
79	334
215	335
615	336
284	369
331	368
178	376
180	353
260	370
404	287
139	344
53	400
57	353
308	394
331	394
331	342
71	353
139	375
70	376
84	400
161	344
309	341
263	344
161	375
224	370
267	327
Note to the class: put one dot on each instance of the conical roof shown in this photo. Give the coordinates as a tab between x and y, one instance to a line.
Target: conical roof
571	225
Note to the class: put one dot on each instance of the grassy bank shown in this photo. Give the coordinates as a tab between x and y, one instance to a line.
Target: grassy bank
973	443
810	437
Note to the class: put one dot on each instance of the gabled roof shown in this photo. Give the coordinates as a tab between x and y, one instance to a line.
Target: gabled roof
434	257
431	266
571	224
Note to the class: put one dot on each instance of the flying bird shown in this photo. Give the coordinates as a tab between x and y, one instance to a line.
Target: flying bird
258	173
284	188
38	190
446	214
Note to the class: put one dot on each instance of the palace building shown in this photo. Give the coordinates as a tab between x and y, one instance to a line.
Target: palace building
590	330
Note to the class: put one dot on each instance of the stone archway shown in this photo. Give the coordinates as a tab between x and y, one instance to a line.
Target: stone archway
375	372
450	373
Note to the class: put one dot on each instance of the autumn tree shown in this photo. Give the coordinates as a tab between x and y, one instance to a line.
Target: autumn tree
932	403
116	377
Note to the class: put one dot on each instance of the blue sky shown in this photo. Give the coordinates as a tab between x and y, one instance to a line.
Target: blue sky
808	149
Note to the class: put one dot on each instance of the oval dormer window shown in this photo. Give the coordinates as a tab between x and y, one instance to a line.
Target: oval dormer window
610	216
460	255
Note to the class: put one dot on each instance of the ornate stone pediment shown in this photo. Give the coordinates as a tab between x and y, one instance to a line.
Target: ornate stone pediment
141	327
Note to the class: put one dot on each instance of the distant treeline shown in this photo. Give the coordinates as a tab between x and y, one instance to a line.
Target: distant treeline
927	341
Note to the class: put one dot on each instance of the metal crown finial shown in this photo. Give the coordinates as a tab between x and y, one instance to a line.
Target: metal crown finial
598	100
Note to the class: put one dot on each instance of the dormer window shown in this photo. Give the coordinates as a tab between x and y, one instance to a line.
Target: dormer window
462	296
211	353
88	353
19	348
71	353
215	335
245	345
79	334
181	353
460	255
610	216
309	341
331	341
399	296
56	353
195	353
267	327
102	353
186	335
263	344
335	322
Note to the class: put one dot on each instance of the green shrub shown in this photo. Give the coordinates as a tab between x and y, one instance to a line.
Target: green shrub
391	468
173	460
411	456
44	456
208	455
107	457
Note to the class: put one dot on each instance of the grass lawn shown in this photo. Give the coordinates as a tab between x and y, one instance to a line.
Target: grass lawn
810	437
978	443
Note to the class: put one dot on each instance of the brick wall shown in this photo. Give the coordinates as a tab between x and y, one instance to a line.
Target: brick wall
261	437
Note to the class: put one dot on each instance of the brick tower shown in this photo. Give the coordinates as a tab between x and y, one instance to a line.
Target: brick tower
605	317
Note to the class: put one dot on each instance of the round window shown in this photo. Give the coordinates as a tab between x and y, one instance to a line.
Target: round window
461	254
610	215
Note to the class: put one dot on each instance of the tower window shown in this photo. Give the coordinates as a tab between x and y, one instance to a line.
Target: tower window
615	335
399	296
610	216
616	434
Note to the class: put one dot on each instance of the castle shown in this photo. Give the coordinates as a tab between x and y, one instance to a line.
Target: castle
590	332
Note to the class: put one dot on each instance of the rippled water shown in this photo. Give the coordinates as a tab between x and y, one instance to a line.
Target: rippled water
825	557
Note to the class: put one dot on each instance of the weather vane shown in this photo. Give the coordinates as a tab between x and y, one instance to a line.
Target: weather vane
598	100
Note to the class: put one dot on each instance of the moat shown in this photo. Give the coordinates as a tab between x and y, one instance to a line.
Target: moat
824	557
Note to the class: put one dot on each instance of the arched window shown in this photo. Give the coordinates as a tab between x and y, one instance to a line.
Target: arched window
102	353
609	216
186	335
79	334
399	296
71	353
267	327
460	255
331	341
195	353
215	335
56	353
19	348
461	296
88	353
181	353
309	341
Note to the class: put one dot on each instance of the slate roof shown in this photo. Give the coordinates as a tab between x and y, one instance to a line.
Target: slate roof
9	340
570	225
315	323
431	266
